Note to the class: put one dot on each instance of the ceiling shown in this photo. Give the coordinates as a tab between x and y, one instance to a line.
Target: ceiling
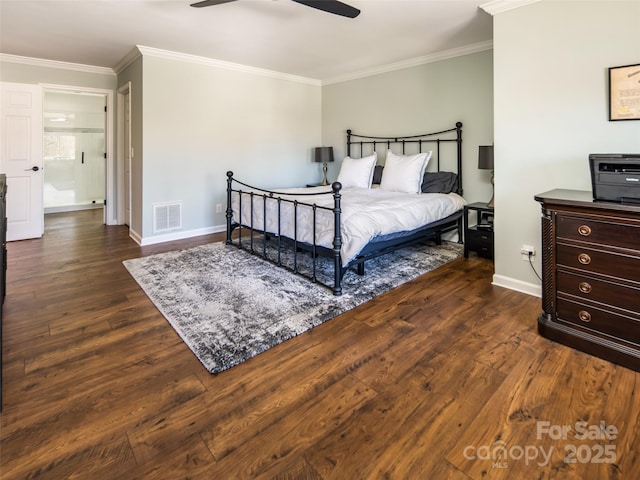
278	35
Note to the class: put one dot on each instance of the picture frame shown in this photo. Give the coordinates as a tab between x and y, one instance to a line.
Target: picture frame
624	92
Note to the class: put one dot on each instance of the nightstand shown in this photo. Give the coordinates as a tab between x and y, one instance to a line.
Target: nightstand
479	238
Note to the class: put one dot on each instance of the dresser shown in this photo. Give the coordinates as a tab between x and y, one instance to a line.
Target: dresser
591	275
3	260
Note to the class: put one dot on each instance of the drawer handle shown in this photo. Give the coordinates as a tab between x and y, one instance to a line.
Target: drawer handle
584	259
584	230
584	316
584	287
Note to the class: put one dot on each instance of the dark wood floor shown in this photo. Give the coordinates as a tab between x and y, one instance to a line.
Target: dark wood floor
444	377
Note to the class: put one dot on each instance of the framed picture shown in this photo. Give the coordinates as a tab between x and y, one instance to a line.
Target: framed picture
624	92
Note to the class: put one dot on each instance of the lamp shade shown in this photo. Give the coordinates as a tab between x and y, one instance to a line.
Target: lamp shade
485	157
323	154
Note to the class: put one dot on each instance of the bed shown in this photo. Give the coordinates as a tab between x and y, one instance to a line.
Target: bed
369	211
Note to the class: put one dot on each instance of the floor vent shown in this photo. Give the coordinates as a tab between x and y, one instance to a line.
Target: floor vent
167	217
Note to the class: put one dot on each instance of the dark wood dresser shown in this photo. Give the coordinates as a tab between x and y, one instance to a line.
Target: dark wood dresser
3	260
591	275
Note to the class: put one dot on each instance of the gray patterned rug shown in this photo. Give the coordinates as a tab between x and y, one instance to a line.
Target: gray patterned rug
228	305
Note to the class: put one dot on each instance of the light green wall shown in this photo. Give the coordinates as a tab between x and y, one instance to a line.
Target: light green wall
199	121
421	99
551	60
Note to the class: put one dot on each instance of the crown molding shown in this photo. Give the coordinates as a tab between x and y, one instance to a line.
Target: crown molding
127	60
41	62
183	57
413	62
498	6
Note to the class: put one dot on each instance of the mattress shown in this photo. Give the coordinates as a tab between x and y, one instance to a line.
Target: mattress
365	214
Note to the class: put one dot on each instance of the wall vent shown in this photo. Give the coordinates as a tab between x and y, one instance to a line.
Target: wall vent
167	217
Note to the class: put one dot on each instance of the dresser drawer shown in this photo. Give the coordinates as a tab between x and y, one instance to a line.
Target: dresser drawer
604	233
582	286
599	261
599	320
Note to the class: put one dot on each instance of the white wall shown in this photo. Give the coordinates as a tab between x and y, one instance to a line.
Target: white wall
550	82
199	121
421	99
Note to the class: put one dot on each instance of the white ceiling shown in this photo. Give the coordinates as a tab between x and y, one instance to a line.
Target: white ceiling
278	35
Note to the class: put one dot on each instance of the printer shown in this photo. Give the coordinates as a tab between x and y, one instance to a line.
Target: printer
615	177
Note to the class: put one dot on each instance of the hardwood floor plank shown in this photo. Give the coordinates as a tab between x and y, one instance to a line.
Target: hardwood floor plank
117	408
538	393
296	469
295	386
191	460
296	432
624	415
100	459
403	431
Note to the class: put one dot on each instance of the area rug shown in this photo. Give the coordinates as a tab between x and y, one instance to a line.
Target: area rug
229	305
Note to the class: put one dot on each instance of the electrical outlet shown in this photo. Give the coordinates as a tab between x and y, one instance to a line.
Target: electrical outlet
527	251
218	208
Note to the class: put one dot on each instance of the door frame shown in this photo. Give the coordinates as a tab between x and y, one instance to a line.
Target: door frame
110	209
122	156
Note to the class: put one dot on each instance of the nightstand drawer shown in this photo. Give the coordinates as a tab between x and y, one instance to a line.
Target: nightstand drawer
480	241
599	320
598	261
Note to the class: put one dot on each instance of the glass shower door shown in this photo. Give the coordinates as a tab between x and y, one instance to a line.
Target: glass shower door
74	151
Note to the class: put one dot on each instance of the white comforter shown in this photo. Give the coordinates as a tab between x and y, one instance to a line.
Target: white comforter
366	213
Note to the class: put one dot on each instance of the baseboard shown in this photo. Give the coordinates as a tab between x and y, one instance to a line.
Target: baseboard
135	236
517	285
72	208
181	235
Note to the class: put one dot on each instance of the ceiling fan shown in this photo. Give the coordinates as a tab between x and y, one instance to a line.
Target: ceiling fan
329	6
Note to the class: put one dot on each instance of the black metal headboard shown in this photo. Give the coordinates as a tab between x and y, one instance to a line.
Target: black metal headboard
420	141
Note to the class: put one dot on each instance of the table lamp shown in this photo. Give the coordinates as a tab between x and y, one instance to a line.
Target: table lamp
324	155
485	162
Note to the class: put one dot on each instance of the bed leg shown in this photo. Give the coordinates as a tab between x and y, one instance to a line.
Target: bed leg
360	269
229	212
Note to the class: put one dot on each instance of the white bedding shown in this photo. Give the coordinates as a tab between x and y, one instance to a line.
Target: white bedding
366	213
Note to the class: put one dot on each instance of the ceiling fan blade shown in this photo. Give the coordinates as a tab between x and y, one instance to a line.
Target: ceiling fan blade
332	6
207	3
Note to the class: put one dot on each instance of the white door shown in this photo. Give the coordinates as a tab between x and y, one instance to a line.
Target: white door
21	159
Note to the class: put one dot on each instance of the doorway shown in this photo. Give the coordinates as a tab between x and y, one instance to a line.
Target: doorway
74	151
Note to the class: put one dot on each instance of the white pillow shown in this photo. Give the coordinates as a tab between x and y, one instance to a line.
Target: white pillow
404	173
357	172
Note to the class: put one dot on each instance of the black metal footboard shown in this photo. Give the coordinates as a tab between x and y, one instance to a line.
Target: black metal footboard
255	234
259	231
